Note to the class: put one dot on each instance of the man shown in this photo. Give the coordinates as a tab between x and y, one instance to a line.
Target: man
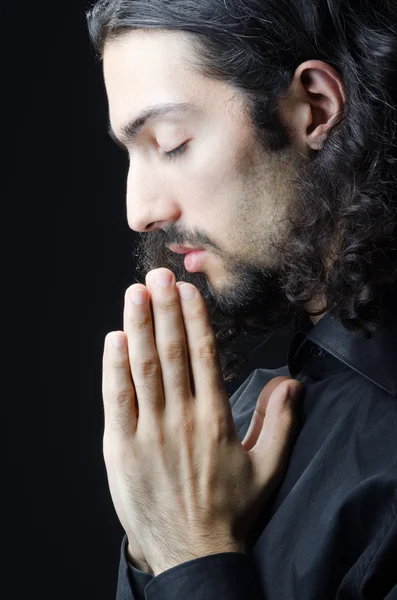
261	135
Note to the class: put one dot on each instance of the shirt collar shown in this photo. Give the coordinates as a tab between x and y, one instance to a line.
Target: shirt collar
375	359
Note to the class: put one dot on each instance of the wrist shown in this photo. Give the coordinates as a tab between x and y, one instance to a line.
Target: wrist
232	546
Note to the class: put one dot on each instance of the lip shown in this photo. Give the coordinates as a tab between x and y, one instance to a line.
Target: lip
183	249
194	260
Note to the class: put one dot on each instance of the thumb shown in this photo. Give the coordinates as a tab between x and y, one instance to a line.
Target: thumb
255	428
271	450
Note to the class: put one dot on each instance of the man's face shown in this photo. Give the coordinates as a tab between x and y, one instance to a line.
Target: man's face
223	193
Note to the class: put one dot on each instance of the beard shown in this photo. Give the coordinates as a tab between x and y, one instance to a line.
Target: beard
252	302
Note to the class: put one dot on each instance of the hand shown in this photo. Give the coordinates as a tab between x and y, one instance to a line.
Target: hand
181	481
134	552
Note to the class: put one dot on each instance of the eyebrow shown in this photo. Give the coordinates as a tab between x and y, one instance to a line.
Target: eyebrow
129	132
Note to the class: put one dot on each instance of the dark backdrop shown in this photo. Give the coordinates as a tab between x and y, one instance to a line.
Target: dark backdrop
71	260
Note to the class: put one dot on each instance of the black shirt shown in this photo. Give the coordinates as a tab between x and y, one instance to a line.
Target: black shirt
330	530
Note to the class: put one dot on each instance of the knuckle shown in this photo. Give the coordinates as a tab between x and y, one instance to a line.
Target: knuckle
121	397
167	307
146	367
139	324
173	350
206	349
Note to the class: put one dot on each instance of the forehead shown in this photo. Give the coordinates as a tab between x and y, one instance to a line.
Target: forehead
143	68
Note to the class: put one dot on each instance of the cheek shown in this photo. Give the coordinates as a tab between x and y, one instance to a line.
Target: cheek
212	172
213	186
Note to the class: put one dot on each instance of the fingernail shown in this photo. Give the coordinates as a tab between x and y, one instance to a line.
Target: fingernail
163	278
138	296
118	341
187	291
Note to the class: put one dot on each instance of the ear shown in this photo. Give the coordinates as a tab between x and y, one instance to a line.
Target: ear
312	104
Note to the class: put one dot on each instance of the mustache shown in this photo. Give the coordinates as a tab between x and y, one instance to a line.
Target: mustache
256	307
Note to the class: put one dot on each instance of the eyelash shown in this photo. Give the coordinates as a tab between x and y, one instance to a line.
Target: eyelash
175	153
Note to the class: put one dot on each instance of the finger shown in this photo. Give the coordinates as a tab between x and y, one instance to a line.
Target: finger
117	388
201	341
143	357
271	451
252	435
170	338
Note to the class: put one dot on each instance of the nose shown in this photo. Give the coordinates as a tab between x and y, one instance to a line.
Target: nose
151	203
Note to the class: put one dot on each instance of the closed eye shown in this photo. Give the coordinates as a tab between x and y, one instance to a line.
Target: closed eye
174	153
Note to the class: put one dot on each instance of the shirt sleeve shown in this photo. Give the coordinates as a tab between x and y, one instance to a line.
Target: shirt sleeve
131	582
226	575
221	576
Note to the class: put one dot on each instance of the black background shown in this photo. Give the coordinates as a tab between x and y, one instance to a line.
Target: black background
70	260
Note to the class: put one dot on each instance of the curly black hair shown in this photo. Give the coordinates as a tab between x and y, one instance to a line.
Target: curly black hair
347	191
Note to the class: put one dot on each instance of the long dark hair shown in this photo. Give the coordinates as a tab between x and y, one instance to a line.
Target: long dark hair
347	191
